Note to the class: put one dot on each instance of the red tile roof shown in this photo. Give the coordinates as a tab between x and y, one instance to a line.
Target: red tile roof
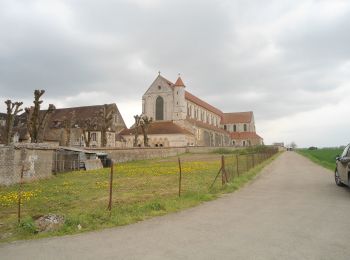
226	118
244	135
179	82
206	126
239	117
193	98
202	103
159	127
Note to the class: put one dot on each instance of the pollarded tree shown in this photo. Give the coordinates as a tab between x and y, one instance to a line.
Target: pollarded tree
12	111
107	117
145	123
87	126
68	123
36	121
136	129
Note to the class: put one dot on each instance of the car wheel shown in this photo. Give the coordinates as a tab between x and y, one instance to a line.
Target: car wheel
337	178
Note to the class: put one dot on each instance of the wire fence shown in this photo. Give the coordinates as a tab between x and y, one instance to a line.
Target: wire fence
127	188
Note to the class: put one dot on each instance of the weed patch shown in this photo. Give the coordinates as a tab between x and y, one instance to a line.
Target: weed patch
141	189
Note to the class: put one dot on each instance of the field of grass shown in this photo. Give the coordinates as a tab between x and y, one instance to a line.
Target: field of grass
323	156
141	189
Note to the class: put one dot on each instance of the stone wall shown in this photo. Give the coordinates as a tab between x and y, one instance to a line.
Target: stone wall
37	162
206	149
131	154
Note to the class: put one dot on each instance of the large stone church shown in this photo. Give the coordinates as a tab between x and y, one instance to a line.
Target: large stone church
182	119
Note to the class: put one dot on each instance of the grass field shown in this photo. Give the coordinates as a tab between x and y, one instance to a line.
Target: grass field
324	156
141	189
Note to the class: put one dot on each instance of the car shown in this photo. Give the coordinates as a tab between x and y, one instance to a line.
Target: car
342	170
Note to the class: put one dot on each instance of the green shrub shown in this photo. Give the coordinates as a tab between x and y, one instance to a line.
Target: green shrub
27	225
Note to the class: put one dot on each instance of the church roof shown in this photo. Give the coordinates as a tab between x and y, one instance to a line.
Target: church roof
179	82
244	135
239	117
192	97
159	127
202	103
206	126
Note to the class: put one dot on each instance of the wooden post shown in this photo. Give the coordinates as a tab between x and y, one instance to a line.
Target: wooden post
20	194
211	186
180	176
56	162
222	172
110	190
224	178
237	160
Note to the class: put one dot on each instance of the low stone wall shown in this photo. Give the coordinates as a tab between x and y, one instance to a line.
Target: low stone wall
35	160
131	154
141	153
207	149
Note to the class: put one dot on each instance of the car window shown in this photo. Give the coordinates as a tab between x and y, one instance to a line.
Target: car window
345	152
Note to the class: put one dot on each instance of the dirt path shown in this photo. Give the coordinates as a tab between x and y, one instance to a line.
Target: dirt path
292	211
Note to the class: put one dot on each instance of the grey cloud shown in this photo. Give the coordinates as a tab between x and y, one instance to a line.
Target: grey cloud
225	50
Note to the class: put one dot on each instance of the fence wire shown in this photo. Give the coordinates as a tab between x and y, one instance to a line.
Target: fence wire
84	194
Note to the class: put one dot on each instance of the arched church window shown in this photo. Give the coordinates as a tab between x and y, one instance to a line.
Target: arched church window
159	108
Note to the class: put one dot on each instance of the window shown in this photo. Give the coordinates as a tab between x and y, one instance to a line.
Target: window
245	127
243	143
225	127
159	108
234	128
159	87
93	137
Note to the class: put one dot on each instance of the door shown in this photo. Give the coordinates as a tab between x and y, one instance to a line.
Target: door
342	165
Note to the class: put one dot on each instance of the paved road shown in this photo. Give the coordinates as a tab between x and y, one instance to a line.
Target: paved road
293	210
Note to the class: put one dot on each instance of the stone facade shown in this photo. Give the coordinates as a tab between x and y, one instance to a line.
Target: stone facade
71	126
37	162
209	126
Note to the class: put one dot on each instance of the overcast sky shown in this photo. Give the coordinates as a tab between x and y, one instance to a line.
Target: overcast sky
288	61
